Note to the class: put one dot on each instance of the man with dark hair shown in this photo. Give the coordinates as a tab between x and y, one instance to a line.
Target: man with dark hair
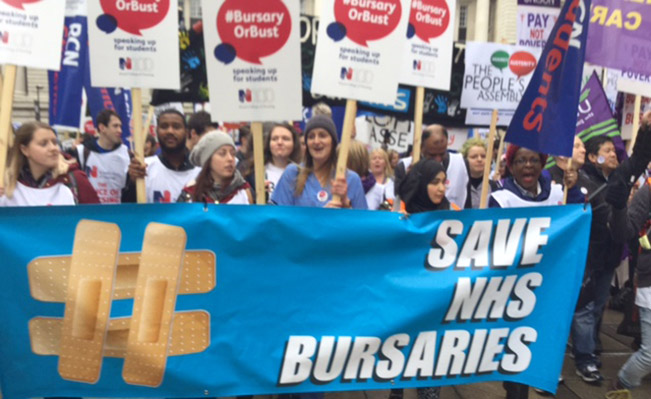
606	245
105	159
165	174
198	125
434	145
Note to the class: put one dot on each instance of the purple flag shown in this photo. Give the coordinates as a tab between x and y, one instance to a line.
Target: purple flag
620	33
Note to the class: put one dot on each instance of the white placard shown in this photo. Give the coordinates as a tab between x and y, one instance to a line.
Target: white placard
134	43
31	32
496	75
253	56
535	24
482	117
359	49
634	83
628	112
427	58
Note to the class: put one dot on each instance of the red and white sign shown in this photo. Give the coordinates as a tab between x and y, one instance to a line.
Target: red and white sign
134	43
253	59
30	32
356	49
428	52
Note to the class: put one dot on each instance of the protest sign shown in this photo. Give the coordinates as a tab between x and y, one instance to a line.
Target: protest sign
535	21
66	84
634	83
628	114
253	58
496	75
134	43
443	298
545	119
357	47
427	60
619	35
30	32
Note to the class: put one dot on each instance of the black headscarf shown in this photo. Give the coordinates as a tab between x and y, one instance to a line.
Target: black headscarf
413	189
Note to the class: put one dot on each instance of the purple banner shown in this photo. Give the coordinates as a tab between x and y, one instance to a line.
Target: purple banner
595	117
619	35
540	3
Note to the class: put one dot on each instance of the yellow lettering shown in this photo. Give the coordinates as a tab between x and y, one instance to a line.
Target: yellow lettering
599	13
615	19
633	15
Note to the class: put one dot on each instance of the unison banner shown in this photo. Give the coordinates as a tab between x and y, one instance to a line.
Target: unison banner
267	300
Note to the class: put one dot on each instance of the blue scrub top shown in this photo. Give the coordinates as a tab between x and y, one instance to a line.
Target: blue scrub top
283	193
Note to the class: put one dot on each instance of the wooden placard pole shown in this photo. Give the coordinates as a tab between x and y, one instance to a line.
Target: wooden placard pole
483	202
418	123
342	160
565	189
138	140
258	163
150	117
6	106
636	120
500	150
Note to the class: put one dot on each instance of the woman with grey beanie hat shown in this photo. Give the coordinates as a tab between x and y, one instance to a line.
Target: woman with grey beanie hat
313	183
219	181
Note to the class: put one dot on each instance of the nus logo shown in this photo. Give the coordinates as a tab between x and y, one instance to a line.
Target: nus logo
165	196
125	63
346	73
245	95
417	65
4	37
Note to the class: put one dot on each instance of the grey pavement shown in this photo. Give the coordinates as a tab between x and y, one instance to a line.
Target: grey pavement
616	350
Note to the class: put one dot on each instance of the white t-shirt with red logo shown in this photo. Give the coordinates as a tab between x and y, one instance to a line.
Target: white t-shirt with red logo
58	194
107	172
163	184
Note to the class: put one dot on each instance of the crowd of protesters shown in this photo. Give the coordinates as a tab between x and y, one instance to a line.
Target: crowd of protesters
192	160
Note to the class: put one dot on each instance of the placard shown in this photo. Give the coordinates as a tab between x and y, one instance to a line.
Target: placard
427	58
134	43
253	58
496	75
30	32
357	47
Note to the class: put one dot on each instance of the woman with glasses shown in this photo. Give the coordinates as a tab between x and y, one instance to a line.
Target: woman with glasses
527	186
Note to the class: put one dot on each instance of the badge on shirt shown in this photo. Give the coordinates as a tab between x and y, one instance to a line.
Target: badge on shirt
322	196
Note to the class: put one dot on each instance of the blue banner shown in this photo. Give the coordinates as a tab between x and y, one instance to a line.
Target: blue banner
279	299
545	120
117	99
66	85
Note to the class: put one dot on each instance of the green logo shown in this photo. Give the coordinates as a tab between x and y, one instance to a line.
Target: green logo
500	59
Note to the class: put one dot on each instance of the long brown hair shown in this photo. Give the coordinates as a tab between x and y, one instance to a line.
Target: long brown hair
295	156
203	183
308	167
16	160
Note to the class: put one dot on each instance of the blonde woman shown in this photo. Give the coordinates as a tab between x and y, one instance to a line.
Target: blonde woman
383	189
474	154
39	175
